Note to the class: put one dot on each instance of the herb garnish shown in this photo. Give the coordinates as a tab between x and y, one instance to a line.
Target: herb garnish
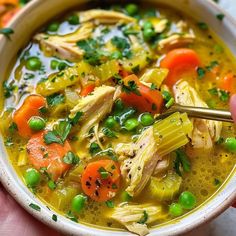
110	204
202	25
55	99
109	133
35	207
144	218
220	17
132	87
71	216
59	133
74	121
54	217
94	148
8	89
71	158
7	32
181	161
201	72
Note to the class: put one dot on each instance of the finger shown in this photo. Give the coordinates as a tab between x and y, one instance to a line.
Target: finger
232	105
16	221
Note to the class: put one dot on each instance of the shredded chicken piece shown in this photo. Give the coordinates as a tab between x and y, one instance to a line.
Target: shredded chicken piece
65	46
104	17
205	132
133	218
162	165
160	26
124	150
176	40
138	169
94	107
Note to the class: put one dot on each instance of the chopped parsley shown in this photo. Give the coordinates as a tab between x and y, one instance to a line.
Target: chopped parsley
144	218
223	95
220	17
55	99
132	87
6	32
74	121
181	161
59	133
13	127
202	25
109	133
201	72
54	217
110	204
120	43
8	89
212	65
71	158
217	182
92	55
94	148
136	69
35	207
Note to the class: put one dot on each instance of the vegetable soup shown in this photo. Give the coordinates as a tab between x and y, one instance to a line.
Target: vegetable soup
80	115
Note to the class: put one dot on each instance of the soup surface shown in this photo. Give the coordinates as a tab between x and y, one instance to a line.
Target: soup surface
80	116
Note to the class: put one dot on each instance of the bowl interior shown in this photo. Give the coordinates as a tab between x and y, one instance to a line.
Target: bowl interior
39	12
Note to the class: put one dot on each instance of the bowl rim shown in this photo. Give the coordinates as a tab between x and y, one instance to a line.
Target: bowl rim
45	215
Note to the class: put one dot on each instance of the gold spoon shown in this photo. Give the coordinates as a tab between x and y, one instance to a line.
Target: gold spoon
199	112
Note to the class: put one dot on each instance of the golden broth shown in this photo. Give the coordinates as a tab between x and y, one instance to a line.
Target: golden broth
209	169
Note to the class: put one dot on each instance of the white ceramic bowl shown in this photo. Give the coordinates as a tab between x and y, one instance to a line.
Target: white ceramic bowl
37	13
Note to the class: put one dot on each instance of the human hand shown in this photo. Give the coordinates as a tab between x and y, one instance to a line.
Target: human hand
16	221
232	107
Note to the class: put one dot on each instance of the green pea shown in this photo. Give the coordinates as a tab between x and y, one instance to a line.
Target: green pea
111	122
175	209
148	33
187	200
131	124
147	25
53	27
230	144
37	123
78	203
146	119
73	20
131	9
33	63
62	66
32	177
54	64
116	55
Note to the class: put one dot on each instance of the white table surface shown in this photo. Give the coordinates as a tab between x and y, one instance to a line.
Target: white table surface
225	224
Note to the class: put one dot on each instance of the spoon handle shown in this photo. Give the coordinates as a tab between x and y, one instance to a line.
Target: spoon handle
199	112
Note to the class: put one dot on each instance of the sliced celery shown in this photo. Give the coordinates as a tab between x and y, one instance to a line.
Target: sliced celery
23	158
155	76
171	133
166	188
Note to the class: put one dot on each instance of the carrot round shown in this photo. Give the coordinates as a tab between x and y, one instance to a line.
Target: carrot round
228	83
179	62
149	100
49	156
87	90
30	108
8	16
101	179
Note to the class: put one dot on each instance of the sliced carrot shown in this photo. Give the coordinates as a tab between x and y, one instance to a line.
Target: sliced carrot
98	187
9	2
123	73
30	108
49	156
180	62
149	100
87	90
8	16
228	83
